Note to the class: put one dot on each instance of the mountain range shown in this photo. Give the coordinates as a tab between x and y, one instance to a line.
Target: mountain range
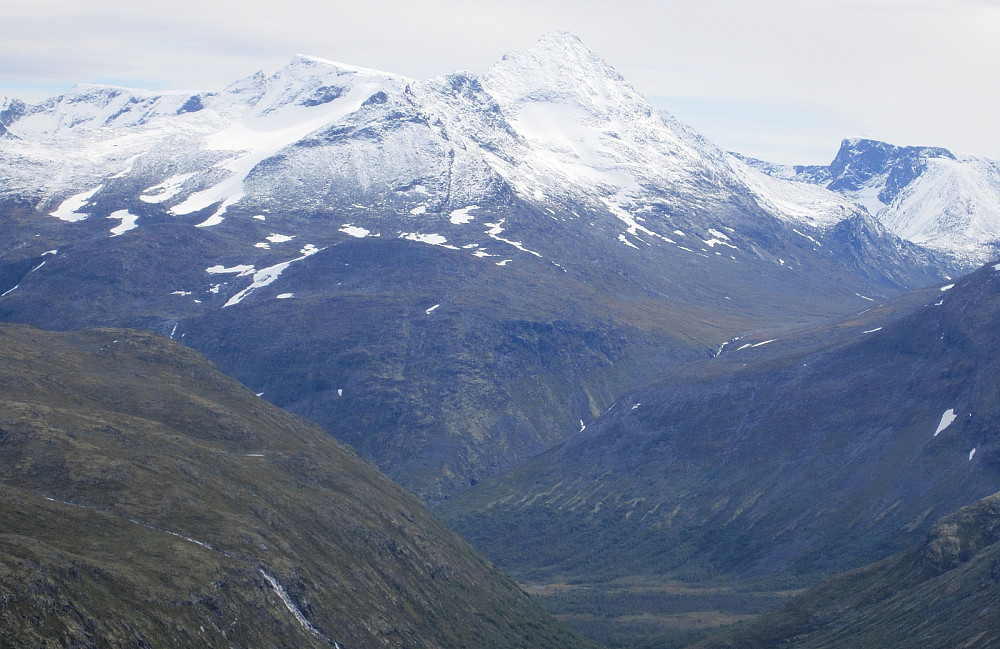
451	275
630	367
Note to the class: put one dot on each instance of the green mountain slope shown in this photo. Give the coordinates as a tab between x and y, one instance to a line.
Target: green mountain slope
940	594
149	501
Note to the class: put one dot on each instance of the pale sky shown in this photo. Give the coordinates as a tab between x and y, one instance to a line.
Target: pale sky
783	80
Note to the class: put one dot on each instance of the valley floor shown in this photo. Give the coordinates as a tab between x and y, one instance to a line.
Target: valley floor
643	612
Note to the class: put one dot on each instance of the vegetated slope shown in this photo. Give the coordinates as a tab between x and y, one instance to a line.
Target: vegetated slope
530	243
927	195
940	594
150	501
786	459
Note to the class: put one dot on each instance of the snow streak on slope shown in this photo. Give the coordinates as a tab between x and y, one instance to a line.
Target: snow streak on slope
278	122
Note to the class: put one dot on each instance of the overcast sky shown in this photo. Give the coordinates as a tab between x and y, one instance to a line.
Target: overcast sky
783	80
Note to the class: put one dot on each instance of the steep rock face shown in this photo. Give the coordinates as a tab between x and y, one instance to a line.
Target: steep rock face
797	456
150	501
410	237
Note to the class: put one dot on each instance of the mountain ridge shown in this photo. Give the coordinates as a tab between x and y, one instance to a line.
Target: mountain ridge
928	195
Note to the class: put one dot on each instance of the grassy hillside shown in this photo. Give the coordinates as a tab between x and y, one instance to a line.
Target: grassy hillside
941	594
149	501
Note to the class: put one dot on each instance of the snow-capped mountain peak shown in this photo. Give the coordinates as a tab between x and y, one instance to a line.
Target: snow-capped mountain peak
928	195
553	126
559	67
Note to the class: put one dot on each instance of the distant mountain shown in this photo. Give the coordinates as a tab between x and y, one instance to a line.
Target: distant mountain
927	195
786	457
149	501
939	594
452	275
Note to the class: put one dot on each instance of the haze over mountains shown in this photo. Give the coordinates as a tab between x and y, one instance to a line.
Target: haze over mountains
603	347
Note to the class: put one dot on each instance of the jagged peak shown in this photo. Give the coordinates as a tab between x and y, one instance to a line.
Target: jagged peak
557	51
559	67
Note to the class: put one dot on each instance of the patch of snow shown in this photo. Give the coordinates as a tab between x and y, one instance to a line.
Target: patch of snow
215	219
279	238
428	311
623	239
711	243
181	293
10	290
971	454
494	233
583	426
67	210
864	298
340	392
947	288
50	252
418	210
268	275
871	331
262	245
634	228
285	296
462	216
946	420
504	262
354	231
128	222
432	239
173	331
240	270
636	406
165	190
482	253
260	217
807	237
